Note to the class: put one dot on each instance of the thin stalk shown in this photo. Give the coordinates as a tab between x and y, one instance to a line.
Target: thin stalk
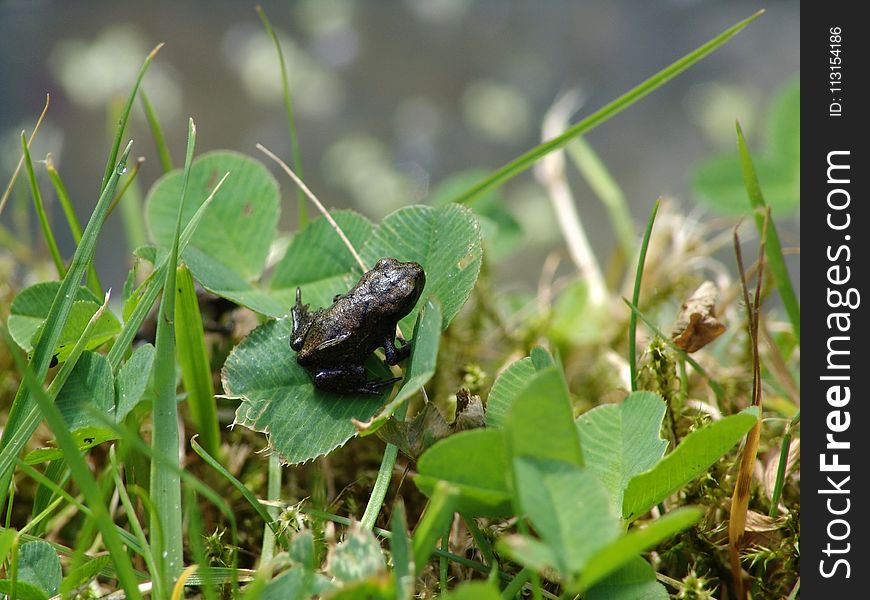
125	115
131	177
604	186
382	482
480	540
635	297
156	132
8	191
442	561
783	464
147	555
165	482
273	494
767	230
72	220
47	233
523	162
291	121
516	584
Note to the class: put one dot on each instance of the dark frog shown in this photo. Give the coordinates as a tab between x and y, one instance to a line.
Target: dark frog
333	343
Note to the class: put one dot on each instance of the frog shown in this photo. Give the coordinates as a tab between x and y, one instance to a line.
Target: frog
333	343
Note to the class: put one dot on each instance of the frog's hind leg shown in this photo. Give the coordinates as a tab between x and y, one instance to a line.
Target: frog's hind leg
301	322
393	355
350	380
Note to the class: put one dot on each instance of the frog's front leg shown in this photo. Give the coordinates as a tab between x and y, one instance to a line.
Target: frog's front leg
301	322
350	379
394	355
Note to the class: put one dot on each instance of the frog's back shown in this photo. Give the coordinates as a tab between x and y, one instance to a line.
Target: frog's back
343	334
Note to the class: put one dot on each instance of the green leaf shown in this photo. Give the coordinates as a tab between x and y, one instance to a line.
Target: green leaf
620	441
445	241
619	552
529	552
576	319
358	557
289	585
506	388
132	380
695	454
540	422
194	361
403	557
89	389
23	590
30	308
473	590
505	233
635	581
434	522
233	239
784	122
83	573
718	185
476	463
421	364
318	261
280	400
568	507
511	382
39	564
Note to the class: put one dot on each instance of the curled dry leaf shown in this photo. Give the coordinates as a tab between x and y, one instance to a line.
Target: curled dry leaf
697	324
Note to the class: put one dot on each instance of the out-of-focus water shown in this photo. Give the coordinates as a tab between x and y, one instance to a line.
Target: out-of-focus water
391	97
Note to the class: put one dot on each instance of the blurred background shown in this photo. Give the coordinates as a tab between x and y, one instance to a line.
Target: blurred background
391	98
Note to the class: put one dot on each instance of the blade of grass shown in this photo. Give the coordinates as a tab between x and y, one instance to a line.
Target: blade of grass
635	297
241	488
72	220
524	161
604	186
131	177
14	178
291	121
783	463
195	537
193	358
438	513
47	233
81	473
382	482
156	132
125	115
154	283
273	494
776	261
147	554
165	483
57	316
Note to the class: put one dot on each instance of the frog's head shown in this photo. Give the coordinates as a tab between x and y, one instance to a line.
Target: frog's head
398	284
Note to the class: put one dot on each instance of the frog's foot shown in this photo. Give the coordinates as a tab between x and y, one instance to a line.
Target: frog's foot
301	322
350	380
394	355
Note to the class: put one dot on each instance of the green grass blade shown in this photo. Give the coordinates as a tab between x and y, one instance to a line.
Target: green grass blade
433	523
782	465
604	186
57	315
165	482
635	297
156	132
775	260
525	161
193	358
147	554
125	115
291	121
72	220
82	475
241	487
47	233
273	494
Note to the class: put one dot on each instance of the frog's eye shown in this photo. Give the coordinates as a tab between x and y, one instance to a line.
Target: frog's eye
384	262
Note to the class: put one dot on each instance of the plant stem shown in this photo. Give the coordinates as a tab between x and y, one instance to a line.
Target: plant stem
635	297
47	233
